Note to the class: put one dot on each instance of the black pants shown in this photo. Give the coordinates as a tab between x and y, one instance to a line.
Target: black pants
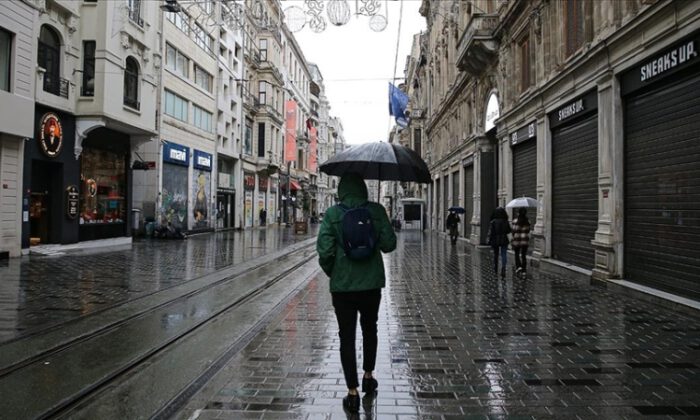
520	257
347	305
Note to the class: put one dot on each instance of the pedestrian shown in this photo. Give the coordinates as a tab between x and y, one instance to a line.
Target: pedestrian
263	216
499	228
356	276
451	224
521	240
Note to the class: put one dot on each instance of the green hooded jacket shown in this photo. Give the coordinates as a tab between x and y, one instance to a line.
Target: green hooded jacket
353	275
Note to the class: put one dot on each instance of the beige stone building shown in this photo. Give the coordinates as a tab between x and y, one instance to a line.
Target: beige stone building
584	105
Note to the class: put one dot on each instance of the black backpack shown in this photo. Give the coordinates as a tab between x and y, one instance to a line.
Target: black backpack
358	236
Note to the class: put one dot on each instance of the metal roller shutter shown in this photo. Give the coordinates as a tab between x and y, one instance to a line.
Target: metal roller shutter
662	188
525	169
575	192
468	199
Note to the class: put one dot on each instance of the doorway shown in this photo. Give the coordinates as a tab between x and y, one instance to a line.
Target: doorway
45	203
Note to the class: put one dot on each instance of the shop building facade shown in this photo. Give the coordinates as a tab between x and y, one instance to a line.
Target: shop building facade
594	120
94	104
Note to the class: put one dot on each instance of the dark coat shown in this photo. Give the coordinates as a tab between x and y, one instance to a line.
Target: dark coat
498	232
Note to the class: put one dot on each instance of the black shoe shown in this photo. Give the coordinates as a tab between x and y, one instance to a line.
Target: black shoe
352	403
369	384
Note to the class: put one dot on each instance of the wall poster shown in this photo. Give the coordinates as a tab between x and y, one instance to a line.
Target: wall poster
174	199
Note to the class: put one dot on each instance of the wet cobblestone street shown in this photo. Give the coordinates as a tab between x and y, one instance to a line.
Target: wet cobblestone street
456	342
38	291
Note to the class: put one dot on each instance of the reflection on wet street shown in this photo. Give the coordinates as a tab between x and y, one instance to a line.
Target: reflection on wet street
36	292
457	342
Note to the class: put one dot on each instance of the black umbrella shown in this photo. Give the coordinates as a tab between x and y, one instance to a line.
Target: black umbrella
381	161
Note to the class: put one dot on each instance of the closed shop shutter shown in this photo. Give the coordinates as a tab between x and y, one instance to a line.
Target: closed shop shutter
525	170
575	192
468	199
662	188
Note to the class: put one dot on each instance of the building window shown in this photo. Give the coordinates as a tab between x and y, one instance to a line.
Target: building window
131	83
262	92
88	87
134	7
574	26
180	21
49	58
417	140
175	106
263	49
201	118
525	64
202	39
175	61
248	140
261	140
5	62
203	79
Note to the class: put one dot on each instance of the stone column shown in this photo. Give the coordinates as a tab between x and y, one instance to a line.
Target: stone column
505	190
608	236
484	194
541	231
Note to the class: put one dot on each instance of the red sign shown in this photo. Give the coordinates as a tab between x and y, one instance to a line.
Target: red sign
262	183
313	159
248	182
290	145
51	135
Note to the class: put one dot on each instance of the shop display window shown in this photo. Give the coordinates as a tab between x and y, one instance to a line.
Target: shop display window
102	187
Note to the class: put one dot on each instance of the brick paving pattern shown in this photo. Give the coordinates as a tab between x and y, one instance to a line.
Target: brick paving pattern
38	291
456	342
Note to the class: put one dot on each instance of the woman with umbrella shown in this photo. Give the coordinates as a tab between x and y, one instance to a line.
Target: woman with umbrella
452	223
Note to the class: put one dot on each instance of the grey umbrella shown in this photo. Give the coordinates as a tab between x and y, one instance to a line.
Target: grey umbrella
381	161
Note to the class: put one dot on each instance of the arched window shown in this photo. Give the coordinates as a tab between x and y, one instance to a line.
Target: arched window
131	83
50	59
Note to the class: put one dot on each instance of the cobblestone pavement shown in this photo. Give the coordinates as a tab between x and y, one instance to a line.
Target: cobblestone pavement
38	291
456	342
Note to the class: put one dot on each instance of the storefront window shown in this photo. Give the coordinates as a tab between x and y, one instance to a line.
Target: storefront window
102	187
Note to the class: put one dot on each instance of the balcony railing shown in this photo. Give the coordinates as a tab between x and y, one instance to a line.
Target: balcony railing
132	103
56	85
478	46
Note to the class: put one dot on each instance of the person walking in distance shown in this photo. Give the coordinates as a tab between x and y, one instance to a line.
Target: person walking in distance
350	241
499	228
521	240
451	224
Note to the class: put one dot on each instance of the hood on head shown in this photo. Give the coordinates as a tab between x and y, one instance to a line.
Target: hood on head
352	188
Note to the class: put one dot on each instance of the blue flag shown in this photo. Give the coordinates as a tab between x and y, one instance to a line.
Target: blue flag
398	101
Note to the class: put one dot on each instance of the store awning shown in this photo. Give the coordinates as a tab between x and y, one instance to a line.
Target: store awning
293	184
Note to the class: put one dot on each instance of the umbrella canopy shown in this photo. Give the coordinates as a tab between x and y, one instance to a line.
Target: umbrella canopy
381	161
458	210
522	202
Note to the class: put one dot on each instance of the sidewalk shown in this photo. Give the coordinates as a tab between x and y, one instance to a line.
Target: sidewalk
456	342
38	291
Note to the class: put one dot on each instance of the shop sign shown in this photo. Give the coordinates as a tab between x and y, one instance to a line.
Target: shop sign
248	181
72	201
661	65
177	154
580	106
493	111
202	160
262	183
668	61
524	133
51	135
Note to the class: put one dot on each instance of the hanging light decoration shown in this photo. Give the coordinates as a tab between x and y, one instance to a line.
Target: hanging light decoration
295	17
314	9
338	12
378	23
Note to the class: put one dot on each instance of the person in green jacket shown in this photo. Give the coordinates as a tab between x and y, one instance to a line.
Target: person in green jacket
355	284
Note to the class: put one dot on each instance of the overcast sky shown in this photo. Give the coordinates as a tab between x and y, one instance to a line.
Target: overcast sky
357	65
